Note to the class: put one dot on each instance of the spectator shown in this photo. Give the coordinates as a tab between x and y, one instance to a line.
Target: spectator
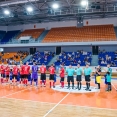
64	57
79	62
73	53
115	52
102	62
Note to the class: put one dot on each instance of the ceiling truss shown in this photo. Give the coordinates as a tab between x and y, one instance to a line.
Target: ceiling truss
43	11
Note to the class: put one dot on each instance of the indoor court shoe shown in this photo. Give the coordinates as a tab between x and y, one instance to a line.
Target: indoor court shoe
68	87
107	89
79	88
89	90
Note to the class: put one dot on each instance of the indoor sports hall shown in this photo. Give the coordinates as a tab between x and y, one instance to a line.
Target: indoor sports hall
58	58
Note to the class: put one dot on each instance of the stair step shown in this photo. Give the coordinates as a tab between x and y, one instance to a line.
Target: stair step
53	60
94	61
42	36
27	58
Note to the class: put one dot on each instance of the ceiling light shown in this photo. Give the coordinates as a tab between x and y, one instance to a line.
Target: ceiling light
6	12
55	6
29	9
84	2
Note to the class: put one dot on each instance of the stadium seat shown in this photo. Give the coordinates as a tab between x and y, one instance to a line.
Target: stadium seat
35	33
86	33
9	35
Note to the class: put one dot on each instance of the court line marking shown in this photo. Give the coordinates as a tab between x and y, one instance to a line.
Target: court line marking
59	104
14	93
56	105
114	86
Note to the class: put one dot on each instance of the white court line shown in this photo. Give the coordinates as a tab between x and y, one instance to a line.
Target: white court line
114	86
59	104
56	105
15	93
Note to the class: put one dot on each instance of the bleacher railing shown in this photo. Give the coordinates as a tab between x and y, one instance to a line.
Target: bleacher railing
15	41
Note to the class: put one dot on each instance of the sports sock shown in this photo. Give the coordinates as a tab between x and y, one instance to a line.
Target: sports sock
107	88
50	84
53	83
68	84
23	81
63	84
44	82
7	80
1	80
89	85
41	82
72	84
36	82
26	81
31	81
78	85
98	85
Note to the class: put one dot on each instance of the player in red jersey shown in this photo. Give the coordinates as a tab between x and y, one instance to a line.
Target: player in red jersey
43	74
62	75
2	69
52	72
15	73
26	73
7	72
22	73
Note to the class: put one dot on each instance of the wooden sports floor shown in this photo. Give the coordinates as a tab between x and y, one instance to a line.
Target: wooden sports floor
45	102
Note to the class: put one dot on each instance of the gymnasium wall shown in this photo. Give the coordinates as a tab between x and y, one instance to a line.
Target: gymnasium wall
109	48
16	49
3	28
50	25
47	26
101	21
75	48
42	49
52	48
63	48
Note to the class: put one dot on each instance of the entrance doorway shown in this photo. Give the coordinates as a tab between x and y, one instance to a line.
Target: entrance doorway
32	50
95	50
58	50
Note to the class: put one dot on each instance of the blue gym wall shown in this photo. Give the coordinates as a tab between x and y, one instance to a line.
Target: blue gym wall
63	48
108	48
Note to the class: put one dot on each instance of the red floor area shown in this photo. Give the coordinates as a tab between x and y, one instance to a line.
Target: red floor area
100	99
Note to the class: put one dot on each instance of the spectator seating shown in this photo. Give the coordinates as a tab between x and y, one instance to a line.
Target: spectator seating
11	58
74	58
41	57
35	33
2	33
86	33
107	58
9	35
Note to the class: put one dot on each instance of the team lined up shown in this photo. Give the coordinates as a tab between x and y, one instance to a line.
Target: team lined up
27	75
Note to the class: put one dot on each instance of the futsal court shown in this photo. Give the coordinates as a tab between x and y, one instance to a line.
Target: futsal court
46	102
